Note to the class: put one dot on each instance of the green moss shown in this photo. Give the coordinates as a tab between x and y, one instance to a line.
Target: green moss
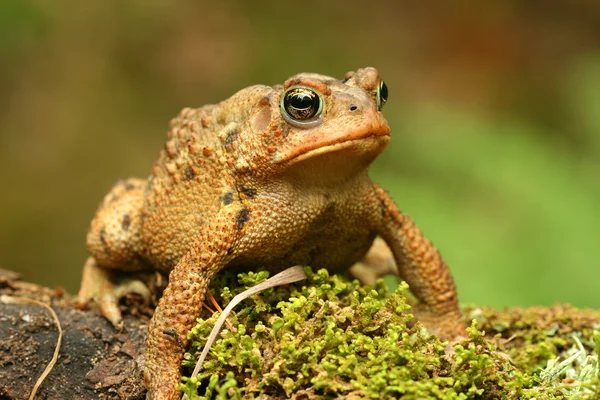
328	337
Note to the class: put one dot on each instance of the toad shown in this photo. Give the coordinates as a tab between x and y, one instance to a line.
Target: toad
272	177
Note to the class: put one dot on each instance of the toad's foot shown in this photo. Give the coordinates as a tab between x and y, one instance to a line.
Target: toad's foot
377	263
98	284
449	327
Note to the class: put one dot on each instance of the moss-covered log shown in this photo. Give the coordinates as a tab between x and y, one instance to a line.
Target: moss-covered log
325	337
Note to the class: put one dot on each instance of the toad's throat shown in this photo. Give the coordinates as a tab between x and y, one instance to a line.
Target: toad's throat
369	144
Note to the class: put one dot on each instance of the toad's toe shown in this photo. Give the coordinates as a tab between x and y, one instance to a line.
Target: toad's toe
98	285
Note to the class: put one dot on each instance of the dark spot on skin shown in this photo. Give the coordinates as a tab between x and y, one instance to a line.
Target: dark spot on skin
327	195
232	136
172	333
129	186
189	173
248	192
324	218
265	101
241	218
384	210
227	198
126	222
103	240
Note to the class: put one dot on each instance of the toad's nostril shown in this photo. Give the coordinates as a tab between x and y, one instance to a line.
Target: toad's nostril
353	107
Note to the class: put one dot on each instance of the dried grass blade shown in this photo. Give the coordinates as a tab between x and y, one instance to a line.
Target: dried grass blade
290	275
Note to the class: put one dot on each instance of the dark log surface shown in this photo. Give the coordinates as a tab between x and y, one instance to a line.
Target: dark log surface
95	360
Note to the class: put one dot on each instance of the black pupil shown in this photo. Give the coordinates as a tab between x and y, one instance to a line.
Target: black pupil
301	104
302	100
383	92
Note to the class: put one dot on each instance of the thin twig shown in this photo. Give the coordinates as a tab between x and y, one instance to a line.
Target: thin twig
214	301
290	275
26	300
208	308
218	307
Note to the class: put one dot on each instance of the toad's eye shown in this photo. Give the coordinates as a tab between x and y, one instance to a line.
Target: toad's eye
382	95
301	105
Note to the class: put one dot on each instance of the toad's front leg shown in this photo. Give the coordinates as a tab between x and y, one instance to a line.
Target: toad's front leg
181	302
421	265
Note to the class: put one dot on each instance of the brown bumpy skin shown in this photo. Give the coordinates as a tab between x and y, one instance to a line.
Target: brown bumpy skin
252	182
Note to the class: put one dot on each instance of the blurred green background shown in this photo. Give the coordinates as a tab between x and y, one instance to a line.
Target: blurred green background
495	109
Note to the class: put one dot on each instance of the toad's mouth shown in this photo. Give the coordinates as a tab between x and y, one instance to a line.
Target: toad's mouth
359	142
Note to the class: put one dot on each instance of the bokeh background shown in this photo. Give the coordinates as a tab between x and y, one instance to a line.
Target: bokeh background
495	108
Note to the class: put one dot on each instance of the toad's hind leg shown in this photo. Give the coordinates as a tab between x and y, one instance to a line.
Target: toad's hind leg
114	245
